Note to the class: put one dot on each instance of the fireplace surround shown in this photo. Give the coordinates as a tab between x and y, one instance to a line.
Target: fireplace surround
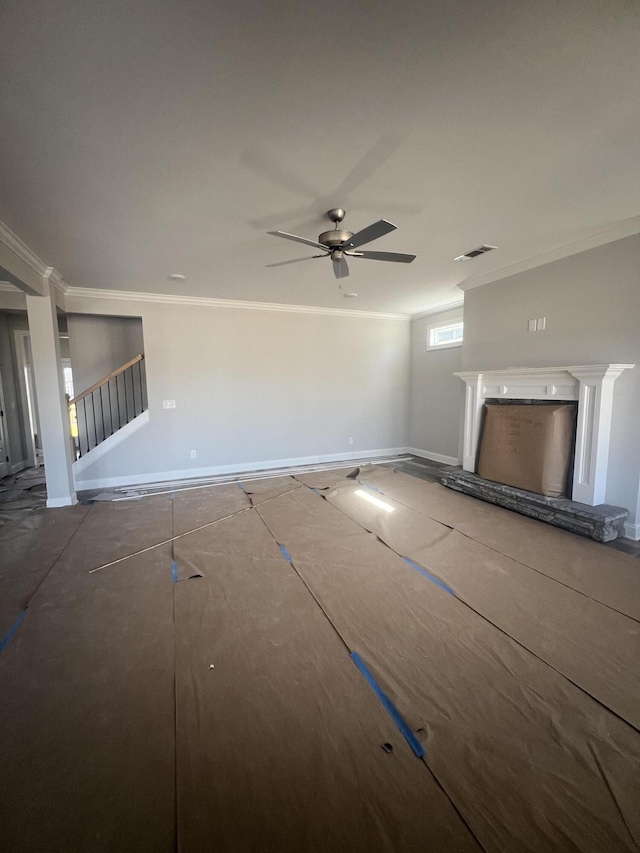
590	385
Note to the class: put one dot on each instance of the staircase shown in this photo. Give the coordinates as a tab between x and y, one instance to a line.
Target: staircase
108	406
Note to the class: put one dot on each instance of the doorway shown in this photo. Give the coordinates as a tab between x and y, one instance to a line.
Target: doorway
5	468
28	398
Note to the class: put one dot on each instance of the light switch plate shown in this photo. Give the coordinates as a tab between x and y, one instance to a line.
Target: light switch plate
168	404
542	323
533	325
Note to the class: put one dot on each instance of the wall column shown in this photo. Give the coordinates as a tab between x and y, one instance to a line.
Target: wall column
50	391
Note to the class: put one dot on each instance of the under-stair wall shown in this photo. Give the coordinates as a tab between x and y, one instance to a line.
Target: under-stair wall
100	345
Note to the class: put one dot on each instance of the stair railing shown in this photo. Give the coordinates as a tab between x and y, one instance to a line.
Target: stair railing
108	405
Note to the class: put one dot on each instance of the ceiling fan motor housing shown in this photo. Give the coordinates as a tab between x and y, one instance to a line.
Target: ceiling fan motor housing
335	238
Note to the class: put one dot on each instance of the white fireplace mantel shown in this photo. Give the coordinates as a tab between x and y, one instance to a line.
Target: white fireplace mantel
591	385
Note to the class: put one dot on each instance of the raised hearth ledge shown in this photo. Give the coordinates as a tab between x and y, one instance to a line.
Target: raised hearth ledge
603	523
590	384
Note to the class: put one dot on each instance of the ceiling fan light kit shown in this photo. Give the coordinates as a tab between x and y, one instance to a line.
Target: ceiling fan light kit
339	244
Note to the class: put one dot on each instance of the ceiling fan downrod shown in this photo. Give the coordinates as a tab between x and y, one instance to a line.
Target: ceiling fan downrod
337	237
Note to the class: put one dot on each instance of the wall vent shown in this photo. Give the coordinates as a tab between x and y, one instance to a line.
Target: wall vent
468	256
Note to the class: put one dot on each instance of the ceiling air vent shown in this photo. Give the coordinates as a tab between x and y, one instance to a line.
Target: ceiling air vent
474	253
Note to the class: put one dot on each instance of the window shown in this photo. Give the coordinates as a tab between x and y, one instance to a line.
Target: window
68	377
442	335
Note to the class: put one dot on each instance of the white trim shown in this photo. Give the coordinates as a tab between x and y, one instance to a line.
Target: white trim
237	468
109	443
13	242
7	287
226	479
626	228
451	345
56	280
434	457
19	466
632	531
591	385
620	230
211	302
53	503
439	309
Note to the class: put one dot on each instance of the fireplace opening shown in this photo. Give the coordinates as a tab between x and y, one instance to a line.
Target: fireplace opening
529	444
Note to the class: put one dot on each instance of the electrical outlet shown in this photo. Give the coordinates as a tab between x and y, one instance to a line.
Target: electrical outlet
168	404
193	454
350	439
533	325
542	323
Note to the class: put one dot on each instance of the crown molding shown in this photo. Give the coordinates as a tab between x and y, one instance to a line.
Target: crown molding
626	228
56	280
211	302
13	242
459	303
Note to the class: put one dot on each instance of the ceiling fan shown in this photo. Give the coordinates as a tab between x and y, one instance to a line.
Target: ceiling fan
339	245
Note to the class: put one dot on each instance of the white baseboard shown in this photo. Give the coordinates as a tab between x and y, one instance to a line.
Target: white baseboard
238	468
109	443
18	466
435	457
52	503
632	531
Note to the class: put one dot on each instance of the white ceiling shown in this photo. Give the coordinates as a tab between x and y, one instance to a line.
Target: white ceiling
140	139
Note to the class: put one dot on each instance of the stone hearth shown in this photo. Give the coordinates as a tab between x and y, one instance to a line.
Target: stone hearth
603	523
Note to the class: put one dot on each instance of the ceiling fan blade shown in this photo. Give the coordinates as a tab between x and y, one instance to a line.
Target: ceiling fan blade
386	256
371	162
294	213
372	232
296	260
297	239
340	268
391	207
279	175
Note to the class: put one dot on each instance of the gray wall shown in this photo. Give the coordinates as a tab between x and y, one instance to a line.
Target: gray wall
259	386
436	394
592	305
99	345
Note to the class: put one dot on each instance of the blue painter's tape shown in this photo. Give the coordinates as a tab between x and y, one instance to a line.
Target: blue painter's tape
5	640
389	707
428	576
174	572
285	554
240	486
315	491
173	495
